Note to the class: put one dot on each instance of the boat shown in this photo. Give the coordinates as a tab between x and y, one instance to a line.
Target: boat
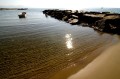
22	15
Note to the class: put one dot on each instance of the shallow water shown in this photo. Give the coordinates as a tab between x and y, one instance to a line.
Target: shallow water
38	46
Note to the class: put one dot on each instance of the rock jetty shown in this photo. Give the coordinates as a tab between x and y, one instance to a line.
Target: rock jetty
102	21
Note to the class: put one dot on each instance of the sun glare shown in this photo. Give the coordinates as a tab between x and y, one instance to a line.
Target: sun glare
69	41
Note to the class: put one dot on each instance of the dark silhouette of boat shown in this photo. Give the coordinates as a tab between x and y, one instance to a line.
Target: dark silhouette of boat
22	15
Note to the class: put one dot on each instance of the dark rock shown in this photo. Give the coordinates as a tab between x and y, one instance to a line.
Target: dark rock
105	12
111	25
102	21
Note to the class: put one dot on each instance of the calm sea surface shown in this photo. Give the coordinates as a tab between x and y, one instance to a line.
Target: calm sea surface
37	47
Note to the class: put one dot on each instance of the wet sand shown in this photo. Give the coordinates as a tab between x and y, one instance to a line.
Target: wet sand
105	66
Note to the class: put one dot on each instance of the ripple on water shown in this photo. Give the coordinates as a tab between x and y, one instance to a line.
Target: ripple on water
45	46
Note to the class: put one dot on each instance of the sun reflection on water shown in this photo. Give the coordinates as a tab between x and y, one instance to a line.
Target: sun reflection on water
69	41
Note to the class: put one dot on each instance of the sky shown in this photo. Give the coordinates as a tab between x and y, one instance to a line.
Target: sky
68	4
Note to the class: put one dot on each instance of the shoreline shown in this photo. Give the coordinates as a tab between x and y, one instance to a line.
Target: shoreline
105	66
80	63
13	8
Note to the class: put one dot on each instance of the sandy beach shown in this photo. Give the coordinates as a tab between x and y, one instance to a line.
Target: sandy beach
105	66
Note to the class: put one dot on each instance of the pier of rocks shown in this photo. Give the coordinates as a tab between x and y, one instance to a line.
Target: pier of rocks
101	21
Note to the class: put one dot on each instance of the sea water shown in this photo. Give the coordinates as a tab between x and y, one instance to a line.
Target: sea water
37	46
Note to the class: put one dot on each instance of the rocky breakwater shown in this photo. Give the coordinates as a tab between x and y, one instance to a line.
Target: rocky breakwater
102	21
